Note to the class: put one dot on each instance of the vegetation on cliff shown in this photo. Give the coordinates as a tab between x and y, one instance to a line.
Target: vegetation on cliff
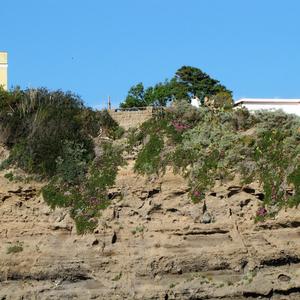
50	134
213	143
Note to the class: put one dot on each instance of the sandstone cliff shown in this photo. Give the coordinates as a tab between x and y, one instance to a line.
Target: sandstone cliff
151	243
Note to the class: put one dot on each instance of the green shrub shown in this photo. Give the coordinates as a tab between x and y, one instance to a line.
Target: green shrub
149	158
103	170
56	198
49	134
15	248
117	277
216	144
84	190
9	176
108	125
84	224
35	124
294	180
222	100
117	133
71	166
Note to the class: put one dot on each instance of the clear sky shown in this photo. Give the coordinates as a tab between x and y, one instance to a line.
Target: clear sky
97	48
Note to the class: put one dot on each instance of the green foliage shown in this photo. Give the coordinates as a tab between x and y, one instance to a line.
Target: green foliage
71	166
56	198
294	180
271	167
95	121
188	82
158	95
213	143
83	187
135	97
274	158
138	229
148	159
17	178
207	152
117	133
108	125
84	224
9	176
15	248
117	277
36	123
50	134
151	135
222	100
103	170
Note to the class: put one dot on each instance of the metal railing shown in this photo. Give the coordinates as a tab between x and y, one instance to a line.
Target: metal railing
143	108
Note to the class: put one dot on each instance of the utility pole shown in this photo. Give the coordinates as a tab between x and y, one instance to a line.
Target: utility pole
109	103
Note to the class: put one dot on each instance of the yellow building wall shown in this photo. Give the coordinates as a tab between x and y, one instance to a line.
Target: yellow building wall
3	69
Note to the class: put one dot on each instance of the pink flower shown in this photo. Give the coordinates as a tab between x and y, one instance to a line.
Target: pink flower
94	201
196	193
261	212
180	126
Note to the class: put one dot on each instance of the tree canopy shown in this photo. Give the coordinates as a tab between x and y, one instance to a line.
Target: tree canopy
187	82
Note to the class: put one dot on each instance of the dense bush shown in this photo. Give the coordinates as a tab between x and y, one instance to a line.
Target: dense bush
35	124
51	134
83	187
149	158
71	166
210	144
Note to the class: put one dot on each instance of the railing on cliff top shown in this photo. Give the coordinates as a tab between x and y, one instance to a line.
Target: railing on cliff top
153	109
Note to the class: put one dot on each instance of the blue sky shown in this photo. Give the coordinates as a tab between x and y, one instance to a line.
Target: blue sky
97	48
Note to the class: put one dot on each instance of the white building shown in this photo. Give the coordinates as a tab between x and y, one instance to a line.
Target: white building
195	101
290	106
3	70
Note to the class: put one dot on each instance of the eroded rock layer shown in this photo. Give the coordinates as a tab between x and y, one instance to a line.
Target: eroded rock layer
151	243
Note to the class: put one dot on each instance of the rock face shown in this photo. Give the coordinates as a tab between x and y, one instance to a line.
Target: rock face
151	243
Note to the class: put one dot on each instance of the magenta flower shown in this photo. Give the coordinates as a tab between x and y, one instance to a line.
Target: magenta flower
180	126
261	212
94	201
197	194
